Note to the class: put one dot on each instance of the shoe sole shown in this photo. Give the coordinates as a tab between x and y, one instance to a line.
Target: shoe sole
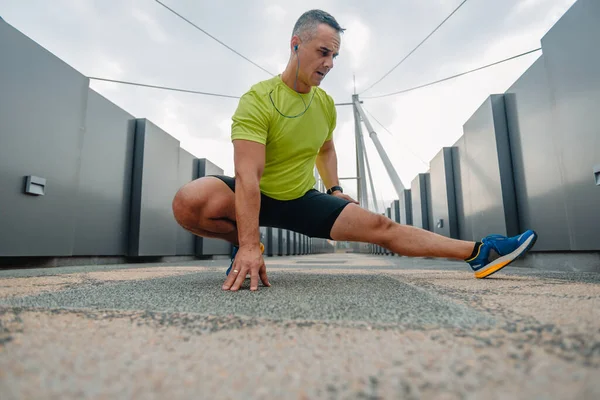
503	261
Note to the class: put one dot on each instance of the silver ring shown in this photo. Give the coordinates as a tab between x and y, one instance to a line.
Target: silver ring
235	270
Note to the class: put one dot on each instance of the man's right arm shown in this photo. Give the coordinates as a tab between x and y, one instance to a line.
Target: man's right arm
249	133
249	161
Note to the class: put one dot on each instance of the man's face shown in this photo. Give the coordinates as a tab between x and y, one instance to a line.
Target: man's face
316	56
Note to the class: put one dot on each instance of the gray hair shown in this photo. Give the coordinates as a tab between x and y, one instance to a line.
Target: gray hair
307	24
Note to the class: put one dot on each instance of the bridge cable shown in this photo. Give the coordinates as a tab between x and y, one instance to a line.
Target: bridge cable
453	76
164	87
419	45
212	37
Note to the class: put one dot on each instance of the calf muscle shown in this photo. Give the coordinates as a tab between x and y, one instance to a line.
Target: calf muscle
359	225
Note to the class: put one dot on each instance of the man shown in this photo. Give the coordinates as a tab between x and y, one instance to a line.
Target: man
282	128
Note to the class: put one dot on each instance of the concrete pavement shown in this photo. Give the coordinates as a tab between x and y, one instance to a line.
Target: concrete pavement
331	327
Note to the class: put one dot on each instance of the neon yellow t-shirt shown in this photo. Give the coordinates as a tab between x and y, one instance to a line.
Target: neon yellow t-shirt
292	144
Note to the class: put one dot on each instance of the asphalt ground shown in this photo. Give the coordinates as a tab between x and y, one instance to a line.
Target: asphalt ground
332	326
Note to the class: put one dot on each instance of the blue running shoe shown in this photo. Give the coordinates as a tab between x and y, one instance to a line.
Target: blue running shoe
497	251
234	252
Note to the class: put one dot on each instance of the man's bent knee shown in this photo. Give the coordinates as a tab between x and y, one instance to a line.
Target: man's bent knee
183	204
202	199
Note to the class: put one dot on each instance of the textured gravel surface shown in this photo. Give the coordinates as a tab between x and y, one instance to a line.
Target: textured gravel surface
351	327
293	295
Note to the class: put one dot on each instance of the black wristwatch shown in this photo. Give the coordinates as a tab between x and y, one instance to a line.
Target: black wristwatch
335	188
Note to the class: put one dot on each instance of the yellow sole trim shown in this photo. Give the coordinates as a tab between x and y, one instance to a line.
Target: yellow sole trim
490	271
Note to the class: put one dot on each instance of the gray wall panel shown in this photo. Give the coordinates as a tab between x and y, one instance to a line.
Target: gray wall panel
461	189
273	239
210	246
438	193
417	207
284	242
42	115
187	172
488	168
443	202
264	238
539	185
155	182
450	192
480	162
395	211
406	207
388	213
276	242
429	209
281	242
573	65
104	194
419	197
507	185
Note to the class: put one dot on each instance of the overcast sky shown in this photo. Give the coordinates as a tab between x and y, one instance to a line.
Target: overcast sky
141	41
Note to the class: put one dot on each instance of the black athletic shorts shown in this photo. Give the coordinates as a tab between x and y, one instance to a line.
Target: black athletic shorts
312	214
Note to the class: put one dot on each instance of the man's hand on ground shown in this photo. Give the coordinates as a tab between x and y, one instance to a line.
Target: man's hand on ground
248	260
344	196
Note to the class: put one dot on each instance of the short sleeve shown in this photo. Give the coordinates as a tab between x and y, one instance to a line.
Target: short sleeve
251	119
333	122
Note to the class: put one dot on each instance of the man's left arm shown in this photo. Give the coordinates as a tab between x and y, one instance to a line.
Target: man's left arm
327	167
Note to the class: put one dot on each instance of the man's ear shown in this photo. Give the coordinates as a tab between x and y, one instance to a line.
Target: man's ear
295	44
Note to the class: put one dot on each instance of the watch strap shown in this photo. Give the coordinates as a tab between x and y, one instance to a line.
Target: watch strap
335	188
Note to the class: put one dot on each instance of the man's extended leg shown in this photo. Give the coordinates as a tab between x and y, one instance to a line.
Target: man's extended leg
494	253
359	225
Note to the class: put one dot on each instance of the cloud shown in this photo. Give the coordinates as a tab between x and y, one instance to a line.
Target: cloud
274	62
102	64
355	40
153	28
275	13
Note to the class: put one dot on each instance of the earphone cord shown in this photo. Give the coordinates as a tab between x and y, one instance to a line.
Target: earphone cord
301	98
